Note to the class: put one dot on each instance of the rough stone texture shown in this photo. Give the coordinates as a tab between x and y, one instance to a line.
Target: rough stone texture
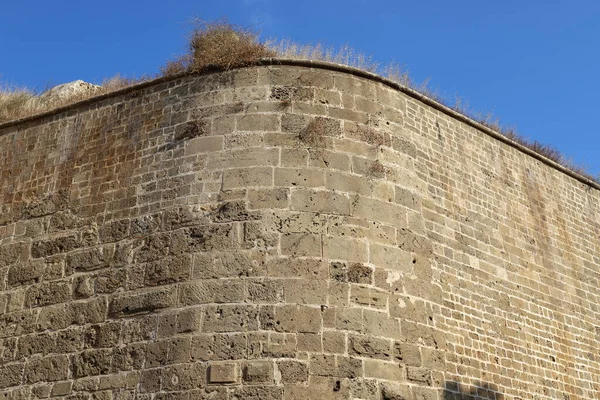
284	232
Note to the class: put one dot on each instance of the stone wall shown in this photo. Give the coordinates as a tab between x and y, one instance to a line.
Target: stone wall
286	232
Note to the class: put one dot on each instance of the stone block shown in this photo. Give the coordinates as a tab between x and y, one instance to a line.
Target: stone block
391	258
218	347
258	122
230	318
57	245
268	198
91	362
184	377
25	272
301	245
299	177
212	291
223	373
247	177
10	375
48	369
297	318
320	202
168	270
379	369
137	303
347	249
257	372
407	353
334	342
366	346
113	231
292	371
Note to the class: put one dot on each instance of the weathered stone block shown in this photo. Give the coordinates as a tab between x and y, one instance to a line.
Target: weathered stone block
230	318
223	373
255	372
143	302
10	375
54	368
292	371
320	202
293	318
301	245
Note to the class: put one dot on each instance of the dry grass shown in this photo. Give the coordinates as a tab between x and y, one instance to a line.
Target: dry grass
219	44
17	103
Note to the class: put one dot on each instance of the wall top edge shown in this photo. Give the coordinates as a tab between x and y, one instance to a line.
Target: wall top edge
325	65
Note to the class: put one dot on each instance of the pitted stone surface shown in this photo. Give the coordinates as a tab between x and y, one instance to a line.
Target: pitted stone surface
283	232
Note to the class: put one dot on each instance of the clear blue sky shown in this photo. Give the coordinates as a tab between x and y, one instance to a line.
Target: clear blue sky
534	64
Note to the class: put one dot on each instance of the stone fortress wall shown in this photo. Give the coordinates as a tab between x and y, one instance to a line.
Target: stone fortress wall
289	232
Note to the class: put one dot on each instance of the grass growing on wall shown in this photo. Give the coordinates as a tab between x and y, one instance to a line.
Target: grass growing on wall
228	46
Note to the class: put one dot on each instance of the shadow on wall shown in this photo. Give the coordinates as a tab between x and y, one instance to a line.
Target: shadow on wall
479	391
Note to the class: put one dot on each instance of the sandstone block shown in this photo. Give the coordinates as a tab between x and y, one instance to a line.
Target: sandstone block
91	362
389	257
62	244
212	291
223	373
114	231
25	272
407	353
320	202
131	304
230	318
244	158
184	377
384	370
338	248
268	198
247	177
258	122
255	372
168	270
334	342
292	371
200	145
10	375
292	318
366	346
299	177
50	369
301	245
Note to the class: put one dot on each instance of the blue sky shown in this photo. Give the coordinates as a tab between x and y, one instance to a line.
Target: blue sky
533	64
